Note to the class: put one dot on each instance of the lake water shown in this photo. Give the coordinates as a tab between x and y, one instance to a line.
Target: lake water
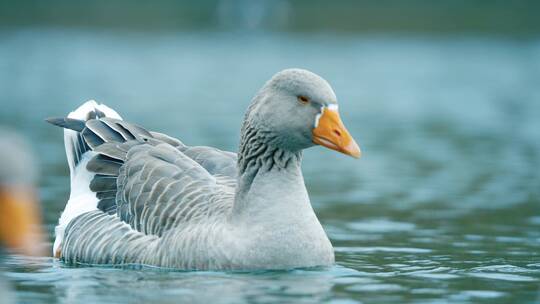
444	205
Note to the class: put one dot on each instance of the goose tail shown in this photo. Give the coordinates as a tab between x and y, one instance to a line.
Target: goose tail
74	143
78	153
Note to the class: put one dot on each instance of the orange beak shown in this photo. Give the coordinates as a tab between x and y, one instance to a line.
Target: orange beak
19	221
331	133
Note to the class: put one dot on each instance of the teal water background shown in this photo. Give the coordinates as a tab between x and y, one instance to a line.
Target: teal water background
444	205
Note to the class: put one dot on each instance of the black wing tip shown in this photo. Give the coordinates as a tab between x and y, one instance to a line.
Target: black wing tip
54	120
68	123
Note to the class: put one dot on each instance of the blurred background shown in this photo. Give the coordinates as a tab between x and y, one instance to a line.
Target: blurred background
442	96
515	18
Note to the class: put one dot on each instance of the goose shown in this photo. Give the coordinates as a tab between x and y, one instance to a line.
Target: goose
20	216
140	197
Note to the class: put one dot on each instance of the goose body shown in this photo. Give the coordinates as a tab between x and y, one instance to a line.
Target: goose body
142	197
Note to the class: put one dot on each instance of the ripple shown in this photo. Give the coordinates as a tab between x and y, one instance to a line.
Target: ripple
500	268
476	252
535	220
503	276
353	280
482	294
431	291
410	268
436	276
438	273
382	249
510	239
375	287
381	225
474	237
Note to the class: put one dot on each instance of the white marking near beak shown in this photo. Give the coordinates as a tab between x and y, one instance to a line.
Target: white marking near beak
331	106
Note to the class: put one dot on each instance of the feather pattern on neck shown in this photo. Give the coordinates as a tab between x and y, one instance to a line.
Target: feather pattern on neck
259	152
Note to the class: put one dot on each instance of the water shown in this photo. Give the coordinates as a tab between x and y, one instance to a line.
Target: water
444	205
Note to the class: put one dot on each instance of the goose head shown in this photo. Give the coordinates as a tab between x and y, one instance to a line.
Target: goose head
299	108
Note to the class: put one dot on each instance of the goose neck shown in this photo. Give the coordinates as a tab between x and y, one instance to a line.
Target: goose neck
267	174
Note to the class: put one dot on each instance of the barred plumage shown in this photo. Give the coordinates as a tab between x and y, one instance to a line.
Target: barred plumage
142	197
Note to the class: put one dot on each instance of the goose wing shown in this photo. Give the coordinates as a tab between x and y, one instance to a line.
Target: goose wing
151	181
215	161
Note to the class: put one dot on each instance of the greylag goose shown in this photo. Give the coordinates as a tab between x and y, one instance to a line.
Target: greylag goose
144	198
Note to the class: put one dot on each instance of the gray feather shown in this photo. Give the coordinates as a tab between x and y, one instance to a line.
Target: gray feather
103	183
115	125
112	150
168	139
107	205
106	194
91	138
68	123
138	132
103	165
106	133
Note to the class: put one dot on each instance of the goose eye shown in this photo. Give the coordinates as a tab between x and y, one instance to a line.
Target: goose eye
303	99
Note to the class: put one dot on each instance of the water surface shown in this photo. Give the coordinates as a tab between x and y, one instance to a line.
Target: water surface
444	205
